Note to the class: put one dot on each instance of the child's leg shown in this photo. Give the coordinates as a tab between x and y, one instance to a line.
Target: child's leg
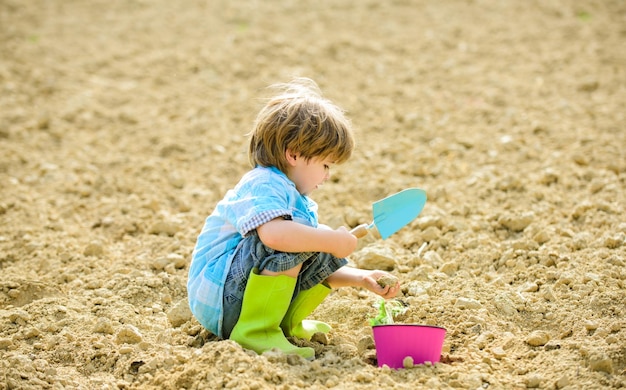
310	292
243	293
250	254
294	323
265	302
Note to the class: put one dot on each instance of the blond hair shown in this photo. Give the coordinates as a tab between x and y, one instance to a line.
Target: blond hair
300	120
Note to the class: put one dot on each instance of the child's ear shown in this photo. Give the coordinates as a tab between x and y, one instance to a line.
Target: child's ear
291	157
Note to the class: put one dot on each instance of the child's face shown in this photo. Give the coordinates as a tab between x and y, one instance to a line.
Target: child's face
308	175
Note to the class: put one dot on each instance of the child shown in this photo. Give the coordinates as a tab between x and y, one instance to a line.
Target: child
262	263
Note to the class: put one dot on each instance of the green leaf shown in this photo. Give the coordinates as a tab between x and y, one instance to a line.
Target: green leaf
387	310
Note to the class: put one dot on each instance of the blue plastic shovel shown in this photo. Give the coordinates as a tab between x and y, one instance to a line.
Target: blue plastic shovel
393	213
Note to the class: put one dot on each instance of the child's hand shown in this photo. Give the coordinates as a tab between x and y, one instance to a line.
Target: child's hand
345	243
371	284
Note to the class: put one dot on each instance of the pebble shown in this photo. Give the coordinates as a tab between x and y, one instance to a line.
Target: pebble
429	220
449	268
164	227
562	382
171	260
94	249
365	343
104	325
19	316
552	345
533	381
431	234
498	352
6	343
417	288
614	242
128	334
505	305
548	294
375	257
321	338
601	363
538	338
516	223
529	287
591	325
179	313
483	339
433	258
467	303
542	236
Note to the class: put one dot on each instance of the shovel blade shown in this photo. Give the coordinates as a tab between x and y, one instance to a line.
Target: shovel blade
396	211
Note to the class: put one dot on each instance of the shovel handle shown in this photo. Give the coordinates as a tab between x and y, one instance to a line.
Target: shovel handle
360	231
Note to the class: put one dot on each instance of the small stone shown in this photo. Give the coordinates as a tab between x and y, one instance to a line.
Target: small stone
601	363
375	257
431	234
516	223
541	237
5	343
533	381
467	303
31	332
19	316
94	249
552	345
104	325
433	258
179	314
590	325
159	263
548	295
505	305
417	288
562	382
529	287
449	268
615	241
164	227
365	343
320	337
498	352
179	261
407	362
537	338
483	339
128	334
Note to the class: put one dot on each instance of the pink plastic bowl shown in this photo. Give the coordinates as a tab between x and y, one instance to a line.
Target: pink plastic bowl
397	341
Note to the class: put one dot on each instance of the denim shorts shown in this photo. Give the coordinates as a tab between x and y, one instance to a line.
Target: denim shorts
252	253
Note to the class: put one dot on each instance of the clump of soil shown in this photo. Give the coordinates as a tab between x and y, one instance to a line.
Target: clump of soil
387	280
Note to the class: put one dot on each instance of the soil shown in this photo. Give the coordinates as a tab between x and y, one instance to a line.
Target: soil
124	122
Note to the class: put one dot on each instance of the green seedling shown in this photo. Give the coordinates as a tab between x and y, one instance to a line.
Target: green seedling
387	310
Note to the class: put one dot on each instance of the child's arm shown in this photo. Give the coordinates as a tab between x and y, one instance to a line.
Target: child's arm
355	277
289	236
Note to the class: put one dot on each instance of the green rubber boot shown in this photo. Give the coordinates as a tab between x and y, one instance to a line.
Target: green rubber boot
265	302
294	323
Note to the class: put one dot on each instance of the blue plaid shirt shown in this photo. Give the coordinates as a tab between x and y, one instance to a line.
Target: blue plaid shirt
261	195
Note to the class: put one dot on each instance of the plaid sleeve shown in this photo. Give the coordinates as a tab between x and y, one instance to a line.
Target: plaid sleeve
262	218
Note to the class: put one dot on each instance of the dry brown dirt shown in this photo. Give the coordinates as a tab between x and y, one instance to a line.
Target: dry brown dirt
122	123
